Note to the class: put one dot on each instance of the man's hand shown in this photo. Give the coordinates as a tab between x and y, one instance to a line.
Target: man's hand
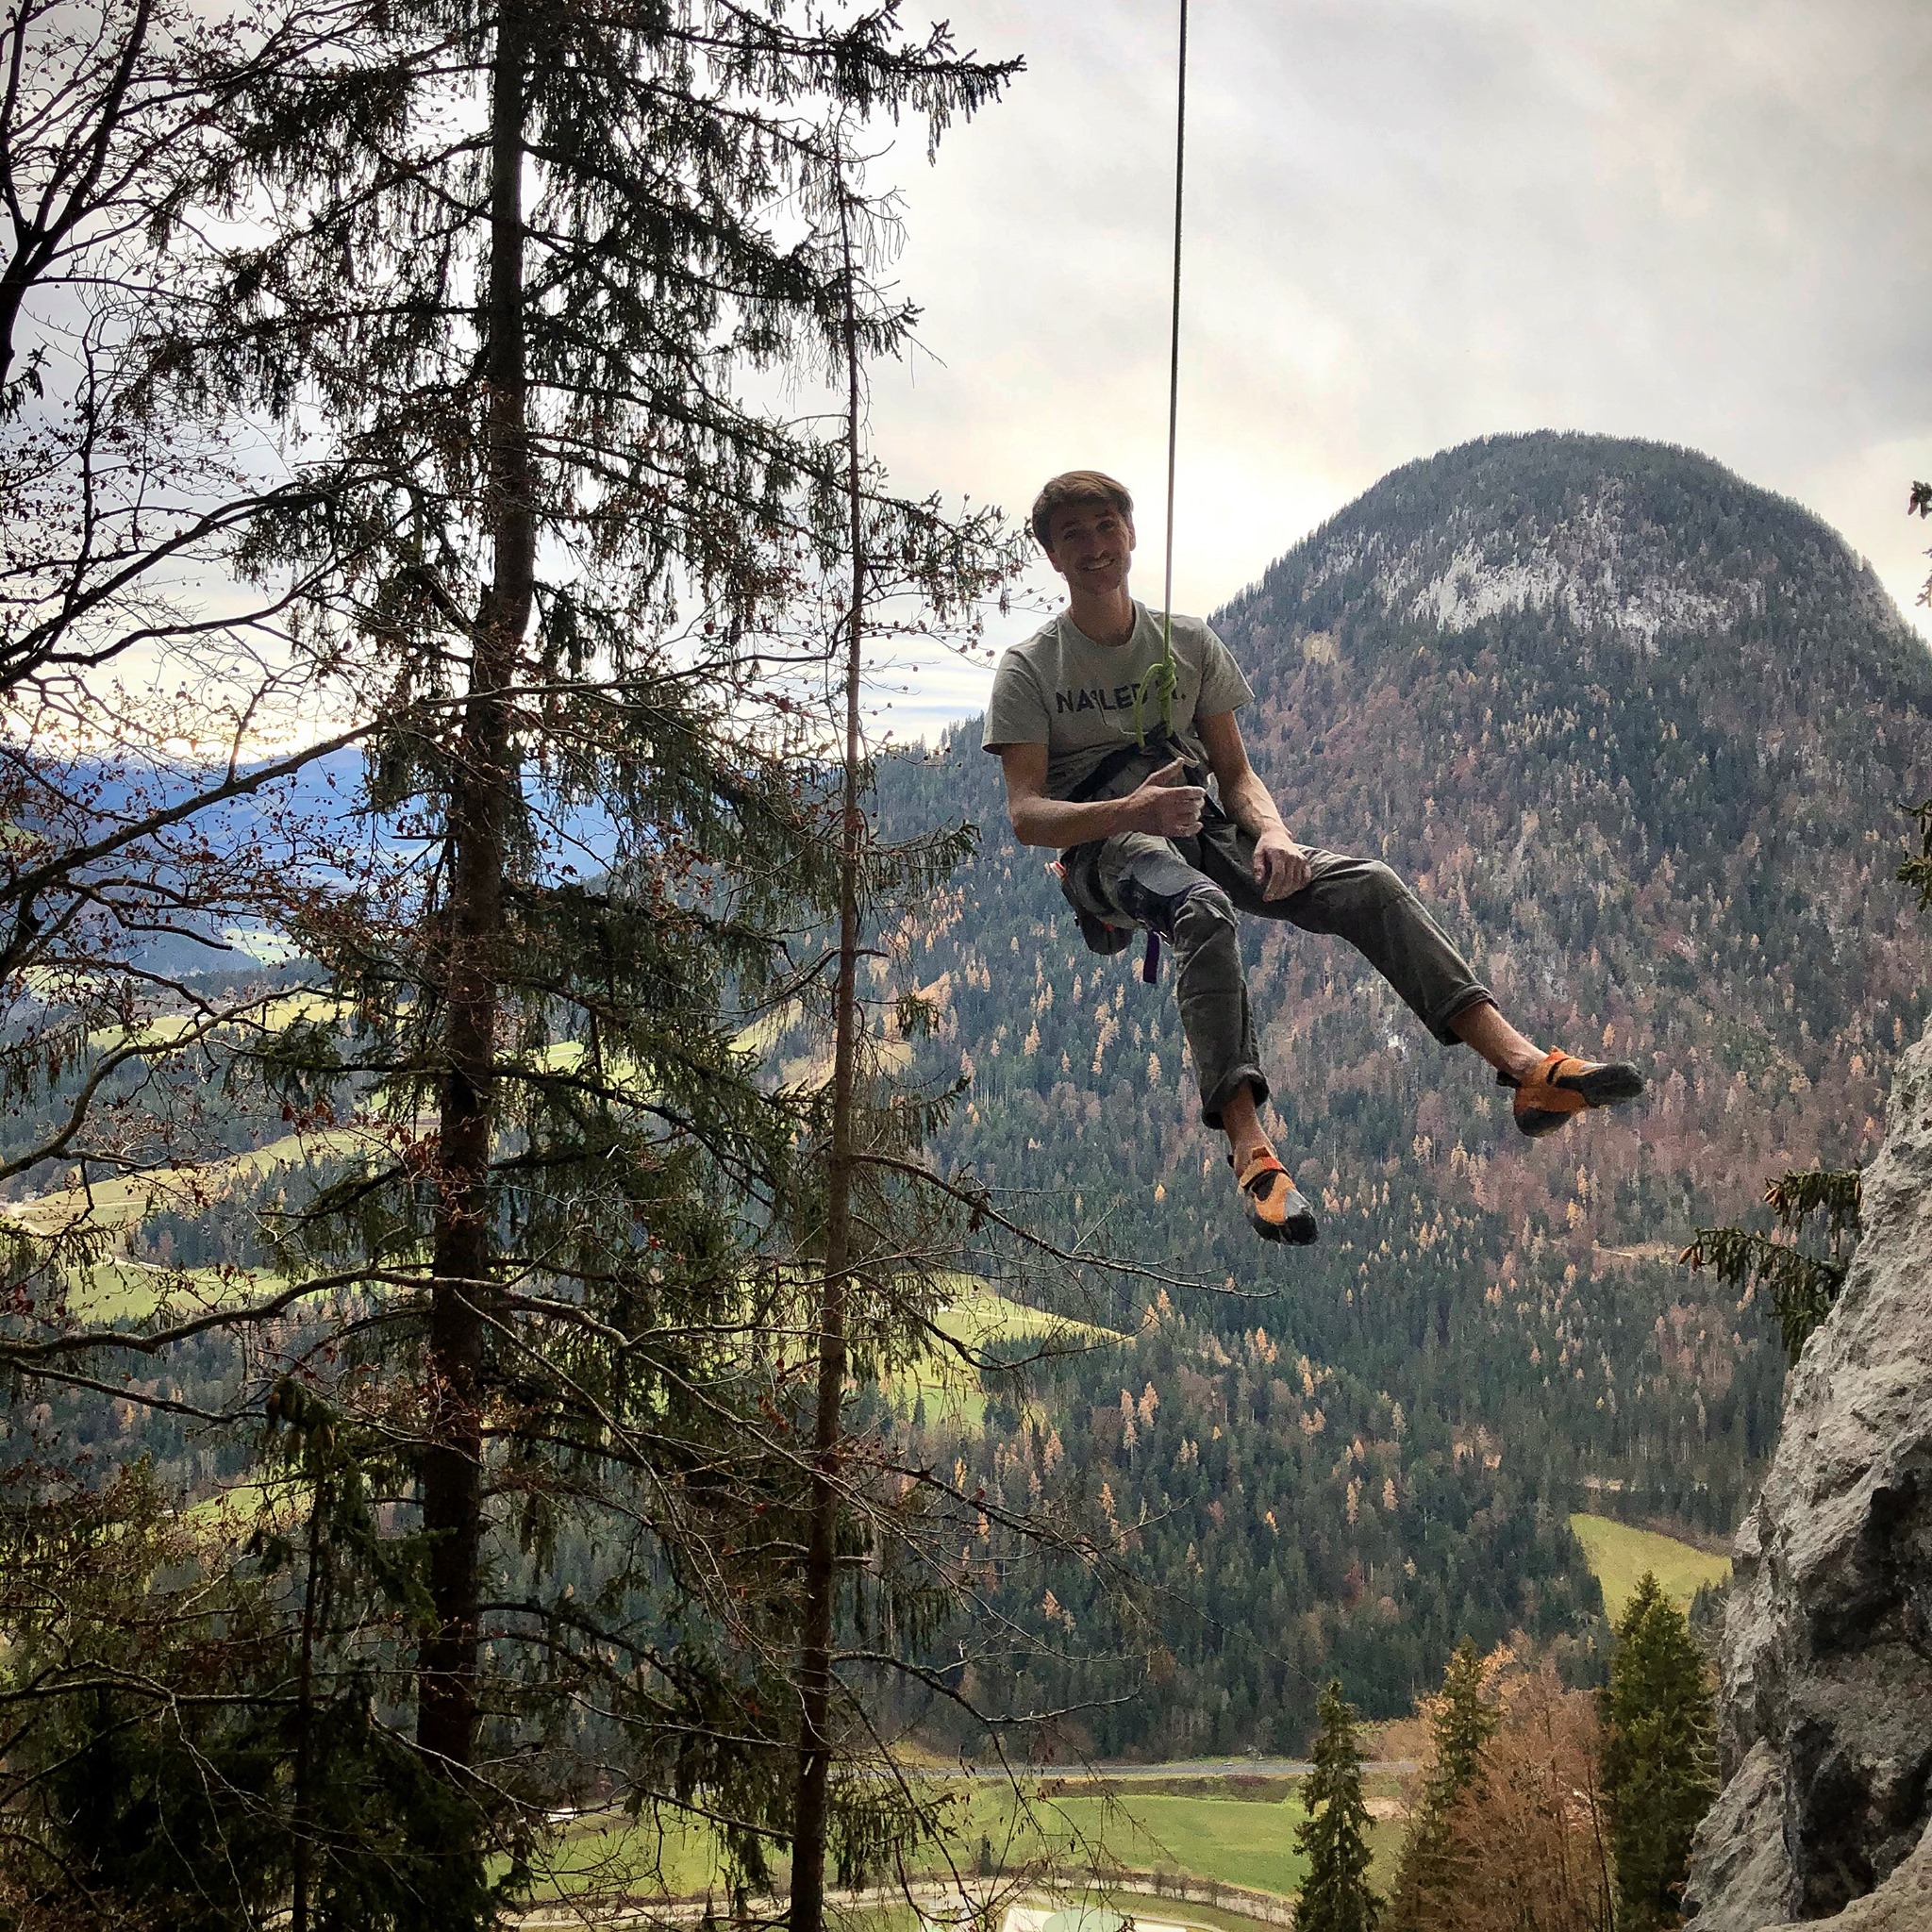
1281	867
1167	805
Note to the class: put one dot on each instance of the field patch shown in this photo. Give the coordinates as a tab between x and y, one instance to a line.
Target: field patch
1235	1841
1619	1554
978	1317
1221	1830
139	1290
123	1200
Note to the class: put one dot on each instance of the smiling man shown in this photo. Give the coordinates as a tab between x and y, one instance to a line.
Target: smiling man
1146	841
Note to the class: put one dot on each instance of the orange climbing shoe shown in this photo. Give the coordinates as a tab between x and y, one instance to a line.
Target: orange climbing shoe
1275	1207
1561	1085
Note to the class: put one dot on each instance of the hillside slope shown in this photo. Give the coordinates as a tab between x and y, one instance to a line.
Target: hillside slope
1638	731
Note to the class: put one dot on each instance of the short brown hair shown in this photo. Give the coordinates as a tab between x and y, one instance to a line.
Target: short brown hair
1076	486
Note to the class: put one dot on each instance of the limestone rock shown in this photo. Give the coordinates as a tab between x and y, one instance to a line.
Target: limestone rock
1741	1876
1902	1904
1826	1694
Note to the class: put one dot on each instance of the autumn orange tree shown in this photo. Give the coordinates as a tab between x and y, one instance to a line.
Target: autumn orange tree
1530	1846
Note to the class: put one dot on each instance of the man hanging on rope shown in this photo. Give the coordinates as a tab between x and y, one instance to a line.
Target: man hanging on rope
1093	770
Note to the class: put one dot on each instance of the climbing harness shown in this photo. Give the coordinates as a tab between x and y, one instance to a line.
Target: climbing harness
1163	675
1103	935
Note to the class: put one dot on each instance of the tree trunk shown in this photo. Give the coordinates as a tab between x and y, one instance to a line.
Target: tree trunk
810	1807
302	1820
481	795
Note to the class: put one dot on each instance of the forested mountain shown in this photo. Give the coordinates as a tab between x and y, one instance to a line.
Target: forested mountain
1639	732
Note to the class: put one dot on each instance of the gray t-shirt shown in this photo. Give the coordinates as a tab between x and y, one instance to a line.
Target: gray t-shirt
1061	690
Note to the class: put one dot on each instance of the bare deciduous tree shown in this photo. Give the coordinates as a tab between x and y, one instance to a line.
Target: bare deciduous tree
1528	1843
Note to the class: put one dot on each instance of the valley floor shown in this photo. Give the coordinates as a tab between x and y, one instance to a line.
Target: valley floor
1200	1825
1241	1836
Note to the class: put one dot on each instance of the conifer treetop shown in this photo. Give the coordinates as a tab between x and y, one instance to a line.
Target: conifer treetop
1335	1896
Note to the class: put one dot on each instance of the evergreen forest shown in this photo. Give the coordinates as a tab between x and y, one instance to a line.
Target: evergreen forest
1672	837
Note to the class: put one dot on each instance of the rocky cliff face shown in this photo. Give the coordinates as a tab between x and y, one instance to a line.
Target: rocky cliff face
1827	1812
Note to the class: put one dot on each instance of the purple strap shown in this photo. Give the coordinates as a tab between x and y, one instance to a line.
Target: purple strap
1150	966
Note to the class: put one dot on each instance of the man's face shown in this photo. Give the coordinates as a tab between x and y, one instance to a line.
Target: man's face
1092	546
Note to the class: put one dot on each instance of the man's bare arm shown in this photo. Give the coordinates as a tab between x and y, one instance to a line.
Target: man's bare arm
1166	804
1245	799
1281	867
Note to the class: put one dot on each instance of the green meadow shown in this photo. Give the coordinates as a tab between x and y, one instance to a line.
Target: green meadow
1233	1839
977	1317
1619	1555
122	1201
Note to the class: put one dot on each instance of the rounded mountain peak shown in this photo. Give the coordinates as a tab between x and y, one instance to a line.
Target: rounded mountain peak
1642	725
1644	540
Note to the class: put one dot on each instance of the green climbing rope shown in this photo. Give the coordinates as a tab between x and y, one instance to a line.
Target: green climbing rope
1163	675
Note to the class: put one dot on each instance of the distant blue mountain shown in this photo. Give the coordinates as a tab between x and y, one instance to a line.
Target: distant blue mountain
294	814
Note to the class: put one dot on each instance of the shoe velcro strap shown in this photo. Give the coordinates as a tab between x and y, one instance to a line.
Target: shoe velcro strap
1569	1067
1554	1066
1258	1169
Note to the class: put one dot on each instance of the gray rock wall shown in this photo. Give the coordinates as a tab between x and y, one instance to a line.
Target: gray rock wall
1826	1694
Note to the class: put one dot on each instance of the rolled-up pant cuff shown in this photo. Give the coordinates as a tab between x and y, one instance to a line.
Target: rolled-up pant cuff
1470	996
1224	1090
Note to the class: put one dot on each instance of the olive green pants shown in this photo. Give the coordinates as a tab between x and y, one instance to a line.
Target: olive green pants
1188	892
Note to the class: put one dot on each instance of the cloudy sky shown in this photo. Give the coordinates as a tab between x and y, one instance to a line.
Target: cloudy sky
1413	222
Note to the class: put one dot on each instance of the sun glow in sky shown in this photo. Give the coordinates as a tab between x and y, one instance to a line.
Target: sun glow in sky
1411	223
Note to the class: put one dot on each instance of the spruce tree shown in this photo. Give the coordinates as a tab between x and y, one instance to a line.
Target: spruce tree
1335	1896
1804	1285
1462	1722
1659	1770
520	267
